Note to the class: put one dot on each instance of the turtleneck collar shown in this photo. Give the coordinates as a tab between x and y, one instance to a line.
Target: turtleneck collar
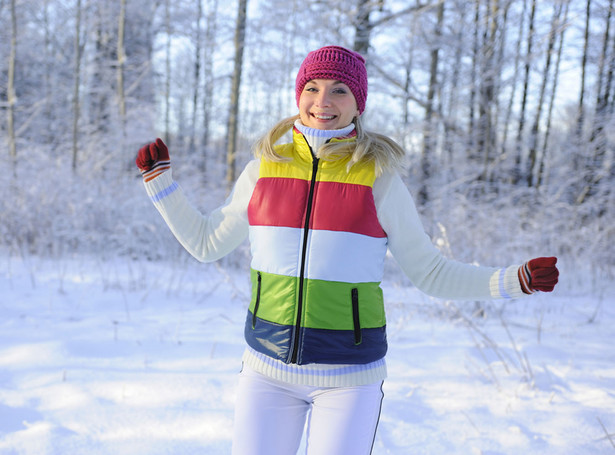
317	138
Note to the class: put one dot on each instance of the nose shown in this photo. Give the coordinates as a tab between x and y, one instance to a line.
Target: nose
322	100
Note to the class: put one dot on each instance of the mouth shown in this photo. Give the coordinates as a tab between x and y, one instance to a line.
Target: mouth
323	117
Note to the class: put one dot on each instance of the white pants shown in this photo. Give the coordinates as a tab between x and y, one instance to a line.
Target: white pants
270	417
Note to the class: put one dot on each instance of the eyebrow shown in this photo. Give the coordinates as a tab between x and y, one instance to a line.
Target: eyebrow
335	82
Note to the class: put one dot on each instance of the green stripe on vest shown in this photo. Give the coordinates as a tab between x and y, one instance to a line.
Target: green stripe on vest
328	304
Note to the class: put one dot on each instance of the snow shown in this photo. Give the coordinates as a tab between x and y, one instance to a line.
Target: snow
141	357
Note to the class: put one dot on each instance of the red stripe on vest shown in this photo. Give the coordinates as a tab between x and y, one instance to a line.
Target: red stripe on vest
338	206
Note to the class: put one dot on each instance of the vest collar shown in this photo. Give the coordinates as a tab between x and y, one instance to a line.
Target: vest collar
303	148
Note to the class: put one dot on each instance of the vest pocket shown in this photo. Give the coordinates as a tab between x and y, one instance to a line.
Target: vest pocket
355	316
259	279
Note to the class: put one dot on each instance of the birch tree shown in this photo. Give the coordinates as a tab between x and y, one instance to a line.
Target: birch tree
208	76
599	166
429	130
11	99
584	58
233	119
78	46
517	174
167	81
533	147
513	84
121	60
554	86
197	74
487	98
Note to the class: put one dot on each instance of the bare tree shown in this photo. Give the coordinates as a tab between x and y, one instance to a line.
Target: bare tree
167	83
121	60
473	78
364	25
581	108
197	74
555	80
11	99
533	147
208	76
429	129
78	48
598	165
517	175
513	84
487	98
232	127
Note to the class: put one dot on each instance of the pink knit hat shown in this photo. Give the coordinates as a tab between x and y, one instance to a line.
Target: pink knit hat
338	63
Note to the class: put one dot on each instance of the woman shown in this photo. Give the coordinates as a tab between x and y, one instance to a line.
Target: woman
321	213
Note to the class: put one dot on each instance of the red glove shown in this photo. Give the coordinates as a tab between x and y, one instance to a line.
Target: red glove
153	159
539	274
152	153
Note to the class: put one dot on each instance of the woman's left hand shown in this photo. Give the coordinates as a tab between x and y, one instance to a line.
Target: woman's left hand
539	274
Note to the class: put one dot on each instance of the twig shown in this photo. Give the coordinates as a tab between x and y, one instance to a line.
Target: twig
539	328
523	360
482	354
471	421
608	436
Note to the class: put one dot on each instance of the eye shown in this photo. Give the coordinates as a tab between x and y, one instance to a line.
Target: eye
340	91
311	89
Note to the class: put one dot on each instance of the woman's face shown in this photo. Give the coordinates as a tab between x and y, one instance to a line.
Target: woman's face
327	104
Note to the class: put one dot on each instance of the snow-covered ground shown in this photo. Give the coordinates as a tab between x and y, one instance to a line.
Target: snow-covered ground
136	357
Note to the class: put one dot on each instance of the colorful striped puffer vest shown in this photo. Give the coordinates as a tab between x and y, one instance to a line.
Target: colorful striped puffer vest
317	261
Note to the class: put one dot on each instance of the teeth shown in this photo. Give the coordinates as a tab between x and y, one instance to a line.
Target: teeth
324	117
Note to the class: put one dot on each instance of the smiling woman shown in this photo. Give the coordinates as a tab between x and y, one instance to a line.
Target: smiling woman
321	212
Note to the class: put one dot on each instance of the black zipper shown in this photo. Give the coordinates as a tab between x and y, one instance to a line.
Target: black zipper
355	316
258	297
306	227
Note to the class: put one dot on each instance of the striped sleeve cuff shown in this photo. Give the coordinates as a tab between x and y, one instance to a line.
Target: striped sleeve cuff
505	284
159	168
525	278
160	188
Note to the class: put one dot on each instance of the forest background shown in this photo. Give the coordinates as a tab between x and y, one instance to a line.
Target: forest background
505	108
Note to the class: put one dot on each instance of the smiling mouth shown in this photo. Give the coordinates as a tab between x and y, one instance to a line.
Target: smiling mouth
324	117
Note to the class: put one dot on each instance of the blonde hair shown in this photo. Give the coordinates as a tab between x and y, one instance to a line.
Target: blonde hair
369	146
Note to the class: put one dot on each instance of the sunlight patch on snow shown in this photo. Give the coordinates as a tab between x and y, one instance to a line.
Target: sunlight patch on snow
31	354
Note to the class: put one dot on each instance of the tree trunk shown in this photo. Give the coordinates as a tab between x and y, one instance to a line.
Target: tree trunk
11	88
240	34
543	155
581	108
513	84
608	83
533	149
486	134
597	167
167	83
517	176
429	130
490	174
121	60
363	27
49	111
77	84
197	75
450	135
208	77
473	77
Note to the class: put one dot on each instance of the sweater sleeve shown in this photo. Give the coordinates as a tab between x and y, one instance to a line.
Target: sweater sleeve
427	268
206	237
